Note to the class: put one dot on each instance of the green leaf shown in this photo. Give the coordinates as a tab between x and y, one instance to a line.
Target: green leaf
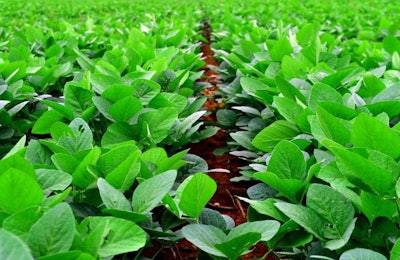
111	197
12	247
363	173
110	236
372	85
236	246
117	133
81	176
37	154
287	161
197	191
117	92
279	49
361	253
391	44
384	139
212	217
53	180
123	176
149	193
17	147
288	90
290	188
82	138
335	209
334	128
266	207
288	108
45	121
395	252
273	134
154	126
321	92
70	255
374	206
205	237
18	191
78	99
303	216
53	232
145	90
125	108
267	229
20	222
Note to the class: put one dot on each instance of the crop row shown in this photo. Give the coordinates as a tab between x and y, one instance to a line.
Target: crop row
100	101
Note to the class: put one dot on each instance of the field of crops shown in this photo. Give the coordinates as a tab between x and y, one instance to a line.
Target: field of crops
199	129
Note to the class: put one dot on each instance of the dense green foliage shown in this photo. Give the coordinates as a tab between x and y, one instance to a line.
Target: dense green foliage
99	101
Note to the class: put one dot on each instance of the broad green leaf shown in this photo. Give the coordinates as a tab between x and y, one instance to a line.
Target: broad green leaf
18	191
213	218
111	197
255	87
117	133
292	68
115	156
205	237
289	91
391	44
244	138
110	236
53	180
287	161
125	108
290	188
334	128
273	134
53	232
21	221
12	247
363	173
395	252
266	207
267	229
70	255
388	94
335	209
117	92
149	193
303	216
288	108
372	85
128	215
321	92
78	99
361	253
123	176
384	139
279	49
145	90
154	126
65	162
374	206
197	191
236	246
82	177
45	121
17	147
82	138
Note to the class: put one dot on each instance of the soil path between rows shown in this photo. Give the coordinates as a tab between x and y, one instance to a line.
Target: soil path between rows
224	200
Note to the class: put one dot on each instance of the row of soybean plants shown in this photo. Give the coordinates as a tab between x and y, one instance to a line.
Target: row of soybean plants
312	104
98	100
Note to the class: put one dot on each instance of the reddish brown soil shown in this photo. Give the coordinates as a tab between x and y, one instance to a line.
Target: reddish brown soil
224	200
